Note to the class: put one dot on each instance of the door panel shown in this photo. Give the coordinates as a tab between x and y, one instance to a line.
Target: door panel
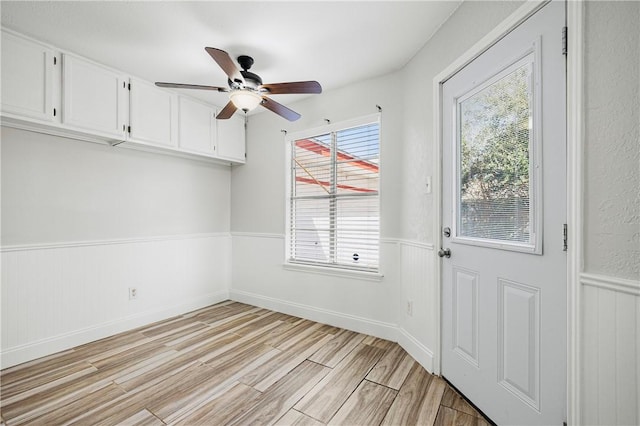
504	286
519	346
465	314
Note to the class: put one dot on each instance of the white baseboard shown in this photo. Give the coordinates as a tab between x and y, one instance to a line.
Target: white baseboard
337	319
417	350
44	347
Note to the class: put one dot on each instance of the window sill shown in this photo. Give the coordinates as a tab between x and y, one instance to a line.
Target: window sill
332	271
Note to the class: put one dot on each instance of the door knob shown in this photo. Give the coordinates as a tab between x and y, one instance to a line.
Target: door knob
444	253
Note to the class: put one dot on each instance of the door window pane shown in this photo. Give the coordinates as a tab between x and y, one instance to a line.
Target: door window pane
495	140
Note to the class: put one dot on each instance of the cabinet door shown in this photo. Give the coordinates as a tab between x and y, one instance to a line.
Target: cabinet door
27	70
94	97
231	139
153	115
197	127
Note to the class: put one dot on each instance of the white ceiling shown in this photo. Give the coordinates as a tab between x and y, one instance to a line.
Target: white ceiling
335	43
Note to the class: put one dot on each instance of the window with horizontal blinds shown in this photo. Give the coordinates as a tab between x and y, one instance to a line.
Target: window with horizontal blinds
495	184
334	209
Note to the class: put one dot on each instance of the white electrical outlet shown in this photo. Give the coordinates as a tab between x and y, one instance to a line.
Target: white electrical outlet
410	308
133	293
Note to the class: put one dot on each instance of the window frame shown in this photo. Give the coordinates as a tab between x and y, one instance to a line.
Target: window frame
534	246
335	269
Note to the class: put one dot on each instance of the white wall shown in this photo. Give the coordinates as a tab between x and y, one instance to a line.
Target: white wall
610	282
56	189
612	113
258	220
258	199
470	22
83	222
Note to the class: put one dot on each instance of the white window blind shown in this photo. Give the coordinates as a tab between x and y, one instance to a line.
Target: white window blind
334	204
495	154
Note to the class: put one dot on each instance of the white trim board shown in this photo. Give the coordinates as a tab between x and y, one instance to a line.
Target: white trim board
575	202
380	329
375	328
52	345
417	350
257	235
88	243
618	285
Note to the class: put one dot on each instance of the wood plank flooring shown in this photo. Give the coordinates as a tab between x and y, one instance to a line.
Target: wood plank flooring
231	364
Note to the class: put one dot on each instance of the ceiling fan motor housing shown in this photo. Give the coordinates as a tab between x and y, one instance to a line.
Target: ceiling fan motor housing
245	62
251	80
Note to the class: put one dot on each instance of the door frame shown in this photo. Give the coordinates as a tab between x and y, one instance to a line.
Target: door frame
575	166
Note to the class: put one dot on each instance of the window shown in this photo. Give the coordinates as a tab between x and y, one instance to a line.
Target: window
334	208
497	180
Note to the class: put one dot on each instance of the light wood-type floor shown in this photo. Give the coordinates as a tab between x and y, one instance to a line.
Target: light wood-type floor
231	363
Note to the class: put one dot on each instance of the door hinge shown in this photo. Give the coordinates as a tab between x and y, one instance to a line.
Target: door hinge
565	237
54	112
129	129
564	41
129	86
55	60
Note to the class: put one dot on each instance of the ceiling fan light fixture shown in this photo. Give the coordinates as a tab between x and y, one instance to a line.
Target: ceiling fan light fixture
245	100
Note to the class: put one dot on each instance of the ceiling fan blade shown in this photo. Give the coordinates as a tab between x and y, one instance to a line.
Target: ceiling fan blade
293	87
223	59
227	111
191	86
279	109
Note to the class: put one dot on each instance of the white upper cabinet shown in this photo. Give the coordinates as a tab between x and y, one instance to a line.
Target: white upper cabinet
153	115
94	98
27	78
47	89
231	139
197	127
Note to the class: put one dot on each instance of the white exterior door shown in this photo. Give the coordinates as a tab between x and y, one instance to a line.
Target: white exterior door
504	206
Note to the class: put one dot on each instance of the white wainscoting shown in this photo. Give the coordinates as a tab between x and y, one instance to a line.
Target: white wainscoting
372	307
57	296
418	328
610	350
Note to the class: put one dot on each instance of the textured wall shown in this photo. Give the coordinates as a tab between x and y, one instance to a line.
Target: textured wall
470	22
610	286
612	145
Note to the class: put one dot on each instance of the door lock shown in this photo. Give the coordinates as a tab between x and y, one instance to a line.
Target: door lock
444	253
446	232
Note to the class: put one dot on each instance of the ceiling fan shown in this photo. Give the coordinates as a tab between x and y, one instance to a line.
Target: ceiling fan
246	90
